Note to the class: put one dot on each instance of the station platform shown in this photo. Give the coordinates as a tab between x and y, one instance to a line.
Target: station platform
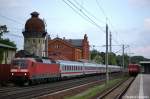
140	88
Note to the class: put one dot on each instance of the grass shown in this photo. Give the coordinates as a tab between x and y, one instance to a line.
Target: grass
95	90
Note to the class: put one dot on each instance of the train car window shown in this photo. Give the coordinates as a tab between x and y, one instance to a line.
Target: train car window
68	67
65	68
76	67
73	67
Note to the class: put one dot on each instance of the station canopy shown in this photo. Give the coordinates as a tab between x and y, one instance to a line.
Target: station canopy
145	66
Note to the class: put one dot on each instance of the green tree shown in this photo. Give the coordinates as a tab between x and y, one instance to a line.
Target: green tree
137	59
3	29
112	59
119	60
98	59
102	54
96	56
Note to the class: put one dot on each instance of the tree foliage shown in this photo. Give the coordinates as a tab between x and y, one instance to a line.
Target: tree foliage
3	29
96	56
113	59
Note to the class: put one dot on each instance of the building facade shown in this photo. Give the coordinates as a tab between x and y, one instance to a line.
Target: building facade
68	49
35	36
7	53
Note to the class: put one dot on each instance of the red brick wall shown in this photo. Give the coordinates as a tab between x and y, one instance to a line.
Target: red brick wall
59	49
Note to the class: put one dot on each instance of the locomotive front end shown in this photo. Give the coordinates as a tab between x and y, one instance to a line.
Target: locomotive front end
19	71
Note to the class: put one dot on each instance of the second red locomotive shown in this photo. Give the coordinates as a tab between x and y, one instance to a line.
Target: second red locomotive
133	69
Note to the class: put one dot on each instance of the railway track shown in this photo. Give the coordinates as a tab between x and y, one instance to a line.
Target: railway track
42	89
38	90
117	91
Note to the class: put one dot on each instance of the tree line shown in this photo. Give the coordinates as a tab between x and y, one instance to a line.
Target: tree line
114	59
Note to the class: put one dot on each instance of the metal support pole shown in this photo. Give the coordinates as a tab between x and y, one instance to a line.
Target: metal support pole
123	56
110	48
110	38
106	55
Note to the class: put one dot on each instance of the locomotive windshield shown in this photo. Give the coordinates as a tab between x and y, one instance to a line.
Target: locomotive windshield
22	64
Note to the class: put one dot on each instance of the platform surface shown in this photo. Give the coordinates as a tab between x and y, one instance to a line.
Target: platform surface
140	88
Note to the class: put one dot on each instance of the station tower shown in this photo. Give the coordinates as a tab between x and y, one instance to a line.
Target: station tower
35	35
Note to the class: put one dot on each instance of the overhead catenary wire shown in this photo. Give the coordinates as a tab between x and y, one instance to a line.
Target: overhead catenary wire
76	11
83	8
12	34
101	8
87	16
107	19
14	28
83	14
10	19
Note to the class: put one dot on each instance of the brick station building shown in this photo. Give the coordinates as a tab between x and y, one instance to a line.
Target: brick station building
68	49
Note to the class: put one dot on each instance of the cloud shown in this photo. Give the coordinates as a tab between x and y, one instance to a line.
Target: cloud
143	50
12	3
140	3
147	23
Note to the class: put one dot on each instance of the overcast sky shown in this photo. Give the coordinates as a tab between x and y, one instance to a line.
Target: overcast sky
128	20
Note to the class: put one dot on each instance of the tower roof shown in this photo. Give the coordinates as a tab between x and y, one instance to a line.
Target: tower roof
34	14
35	24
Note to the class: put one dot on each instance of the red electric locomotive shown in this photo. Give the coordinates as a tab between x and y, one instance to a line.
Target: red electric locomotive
133	69
32	70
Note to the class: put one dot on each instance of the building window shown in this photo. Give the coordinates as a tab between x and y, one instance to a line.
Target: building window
58	46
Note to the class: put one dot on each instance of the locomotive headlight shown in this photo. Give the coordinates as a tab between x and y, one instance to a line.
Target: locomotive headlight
12	74
25	74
